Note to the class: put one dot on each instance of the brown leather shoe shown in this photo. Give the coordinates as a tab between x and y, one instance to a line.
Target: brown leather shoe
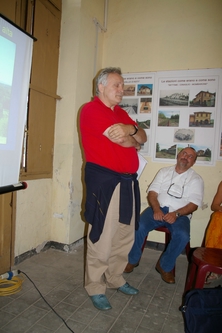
130	267
166	276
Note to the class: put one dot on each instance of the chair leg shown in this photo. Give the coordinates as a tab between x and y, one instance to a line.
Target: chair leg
187	249
190	277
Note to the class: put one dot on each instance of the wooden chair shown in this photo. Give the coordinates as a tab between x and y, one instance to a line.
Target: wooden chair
203	260
167	240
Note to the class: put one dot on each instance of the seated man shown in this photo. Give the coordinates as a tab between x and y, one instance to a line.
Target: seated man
175	193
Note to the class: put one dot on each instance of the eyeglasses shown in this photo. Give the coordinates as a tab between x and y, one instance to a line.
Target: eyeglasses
176	190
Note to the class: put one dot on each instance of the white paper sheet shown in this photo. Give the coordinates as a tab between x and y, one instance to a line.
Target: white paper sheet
142	164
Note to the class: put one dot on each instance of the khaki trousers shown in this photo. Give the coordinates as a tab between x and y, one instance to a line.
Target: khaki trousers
107	258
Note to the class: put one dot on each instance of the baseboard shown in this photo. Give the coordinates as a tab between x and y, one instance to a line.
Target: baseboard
51	244
70	247
155	245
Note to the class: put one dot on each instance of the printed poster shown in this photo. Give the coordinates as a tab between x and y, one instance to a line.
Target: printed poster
177	109
138	102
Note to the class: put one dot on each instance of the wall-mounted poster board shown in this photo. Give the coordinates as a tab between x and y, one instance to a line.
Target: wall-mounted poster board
177	109
138	102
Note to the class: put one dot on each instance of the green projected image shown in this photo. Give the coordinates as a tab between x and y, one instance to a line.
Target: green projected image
7	61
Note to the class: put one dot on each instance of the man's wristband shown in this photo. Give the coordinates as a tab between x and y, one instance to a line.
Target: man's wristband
136	130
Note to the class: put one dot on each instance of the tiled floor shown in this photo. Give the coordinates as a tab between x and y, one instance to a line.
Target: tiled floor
59	277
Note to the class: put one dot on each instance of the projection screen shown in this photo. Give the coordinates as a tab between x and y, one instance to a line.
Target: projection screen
15	66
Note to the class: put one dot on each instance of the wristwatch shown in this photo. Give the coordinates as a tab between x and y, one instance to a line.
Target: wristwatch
136	130
178	214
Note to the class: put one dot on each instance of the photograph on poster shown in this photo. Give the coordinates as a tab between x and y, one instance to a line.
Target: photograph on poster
129	90
164	151
204	153
168	118
145	105
203	98
130	105
145	124
184	135
144	89
145	147
174	98
201	119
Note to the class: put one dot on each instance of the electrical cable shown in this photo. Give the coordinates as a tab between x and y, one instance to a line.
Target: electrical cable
46	301
13	284
10	287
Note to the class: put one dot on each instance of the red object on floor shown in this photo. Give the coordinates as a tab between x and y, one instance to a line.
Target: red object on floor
203	260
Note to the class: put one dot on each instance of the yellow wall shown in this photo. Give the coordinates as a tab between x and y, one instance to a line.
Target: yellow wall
145	35
142	35
76	71
51	210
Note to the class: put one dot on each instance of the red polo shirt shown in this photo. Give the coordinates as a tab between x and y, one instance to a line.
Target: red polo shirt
95	118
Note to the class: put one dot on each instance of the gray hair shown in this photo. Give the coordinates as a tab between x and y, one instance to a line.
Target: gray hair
103	75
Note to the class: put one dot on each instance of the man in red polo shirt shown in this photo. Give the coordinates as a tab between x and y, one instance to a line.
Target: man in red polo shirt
111	140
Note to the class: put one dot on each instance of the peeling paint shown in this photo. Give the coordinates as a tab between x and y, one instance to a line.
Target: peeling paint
66	248
204	206
71	189
58	216
40	247
73	208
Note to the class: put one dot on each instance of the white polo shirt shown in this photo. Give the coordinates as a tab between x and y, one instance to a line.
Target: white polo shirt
189	184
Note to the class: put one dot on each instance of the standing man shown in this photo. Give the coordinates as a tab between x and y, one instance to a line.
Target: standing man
111	140
175	193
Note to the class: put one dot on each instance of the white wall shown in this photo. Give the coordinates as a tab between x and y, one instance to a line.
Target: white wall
142	35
